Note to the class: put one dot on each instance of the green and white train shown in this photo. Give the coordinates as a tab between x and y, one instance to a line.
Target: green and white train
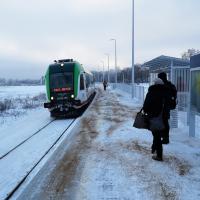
69	88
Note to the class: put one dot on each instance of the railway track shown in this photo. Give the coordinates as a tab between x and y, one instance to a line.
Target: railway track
28	138
20	182
32	145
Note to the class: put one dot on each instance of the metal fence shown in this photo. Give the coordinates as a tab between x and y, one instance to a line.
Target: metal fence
180	76
194	111
138	90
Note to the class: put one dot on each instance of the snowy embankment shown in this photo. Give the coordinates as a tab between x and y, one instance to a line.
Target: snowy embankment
20	91
16	101
18	163
25	139
109	159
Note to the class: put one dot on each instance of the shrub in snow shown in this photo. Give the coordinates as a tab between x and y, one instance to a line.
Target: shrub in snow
34	102
5	105
15	106
28	104
40	97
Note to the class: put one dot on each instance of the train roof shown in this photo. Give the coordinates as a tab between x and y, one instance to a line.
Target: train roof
68	64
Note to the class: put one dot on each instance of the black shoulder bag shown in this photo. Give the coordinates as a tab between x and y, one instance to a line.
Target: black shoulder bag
141	120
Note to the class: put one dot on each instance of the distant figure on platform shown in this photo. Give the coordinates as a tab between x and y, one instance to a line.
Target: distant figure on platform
171	95
104	84
153	107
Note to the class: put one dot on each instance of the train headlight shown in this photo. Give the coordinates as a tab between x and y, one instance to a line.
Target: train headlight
62	64
52	98
72	96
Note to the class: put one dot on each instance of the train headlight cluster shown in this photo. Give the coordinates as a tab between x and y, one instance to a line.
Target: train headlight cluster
72	96
52	98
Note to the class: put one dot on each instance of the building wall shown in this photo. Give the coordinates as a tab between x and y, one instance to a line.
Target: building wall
195	61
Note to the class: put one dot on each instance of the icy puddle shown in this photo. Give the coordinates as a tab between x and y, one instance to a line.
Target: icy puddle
110	160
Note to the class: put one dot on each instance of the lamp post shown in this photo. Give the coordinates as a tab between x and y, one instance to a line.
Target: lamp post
115	60
98	73
103	69
108	66
133	73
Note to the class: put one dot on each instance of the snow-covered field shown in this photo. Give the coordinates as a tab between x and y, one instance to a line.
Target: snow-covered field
17	157
111	160
20	120
18	163
20	91
16	101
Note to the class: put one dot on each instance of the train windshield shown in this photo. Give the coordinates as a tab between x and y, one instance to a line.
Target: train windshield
62	80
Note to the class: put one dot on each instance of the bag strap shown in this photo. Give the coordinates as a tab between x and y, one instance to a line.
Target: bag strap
141	110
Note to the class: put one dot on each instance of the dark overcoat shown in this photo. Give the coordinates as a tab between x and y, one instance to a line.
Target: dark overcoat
155	100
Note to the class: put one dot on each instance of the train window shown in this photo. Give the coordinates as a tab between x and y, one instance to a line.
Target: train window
61	80
82	82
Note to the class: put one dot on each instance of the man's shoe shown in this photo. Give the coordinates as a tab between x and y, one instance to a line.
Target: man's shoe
165	141
157	158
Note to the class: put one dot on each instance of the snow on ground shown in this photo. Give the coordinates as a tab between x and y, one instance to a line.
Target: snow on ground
111	160
17	124
20	91
17	130
17	101
19	162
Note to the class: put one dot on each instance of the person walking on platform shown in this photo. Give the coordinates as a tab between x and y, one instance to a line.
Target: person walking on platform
171	95
104	84
153	107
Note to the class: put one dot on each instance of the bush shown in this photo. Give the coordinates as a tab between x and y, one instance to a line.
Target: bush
22	103
28	103
5	105
40	97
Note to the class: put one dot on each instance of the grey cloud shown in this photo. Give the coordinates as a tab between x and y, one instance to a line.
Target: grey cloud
41	31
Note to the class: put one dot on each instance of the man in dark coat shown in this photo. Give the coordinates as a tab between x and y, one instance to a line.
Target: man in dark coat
104	84
153	106
170	104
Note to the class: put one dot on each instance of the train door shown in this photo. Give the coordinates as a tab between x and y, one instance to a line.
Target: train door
82	89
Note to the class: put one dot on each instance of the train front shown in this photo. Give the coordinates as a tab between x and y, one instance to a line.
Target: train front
59	80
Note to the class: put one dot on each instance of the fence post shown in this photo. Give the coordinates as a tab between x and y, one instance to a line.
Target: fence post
174	118
192	124
143	94
173	113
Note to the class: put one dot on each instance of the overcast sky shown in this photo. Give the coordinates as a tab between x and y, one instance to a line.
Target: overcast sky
34	33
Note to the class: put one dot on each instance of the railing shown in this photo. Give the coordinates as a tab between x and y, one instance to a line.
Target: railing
139	91
194	112
183	101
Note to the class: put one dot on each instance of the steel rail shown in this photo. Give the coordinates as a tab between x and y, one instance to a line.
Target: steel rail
9	195
28	138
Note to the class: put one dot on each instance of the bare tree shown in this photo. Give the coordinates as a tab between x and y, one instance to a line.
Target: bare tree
190	52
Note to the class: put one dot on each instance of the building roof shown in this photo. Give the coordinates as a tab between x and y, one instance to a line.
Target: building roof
163	63
195	61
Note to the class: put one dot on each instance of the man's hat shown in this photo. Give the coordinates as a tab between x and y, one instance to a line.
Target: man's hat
162	76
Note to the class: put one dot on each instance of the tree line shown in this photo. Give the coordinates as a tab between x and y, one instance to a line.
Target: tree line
141	74
17	82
